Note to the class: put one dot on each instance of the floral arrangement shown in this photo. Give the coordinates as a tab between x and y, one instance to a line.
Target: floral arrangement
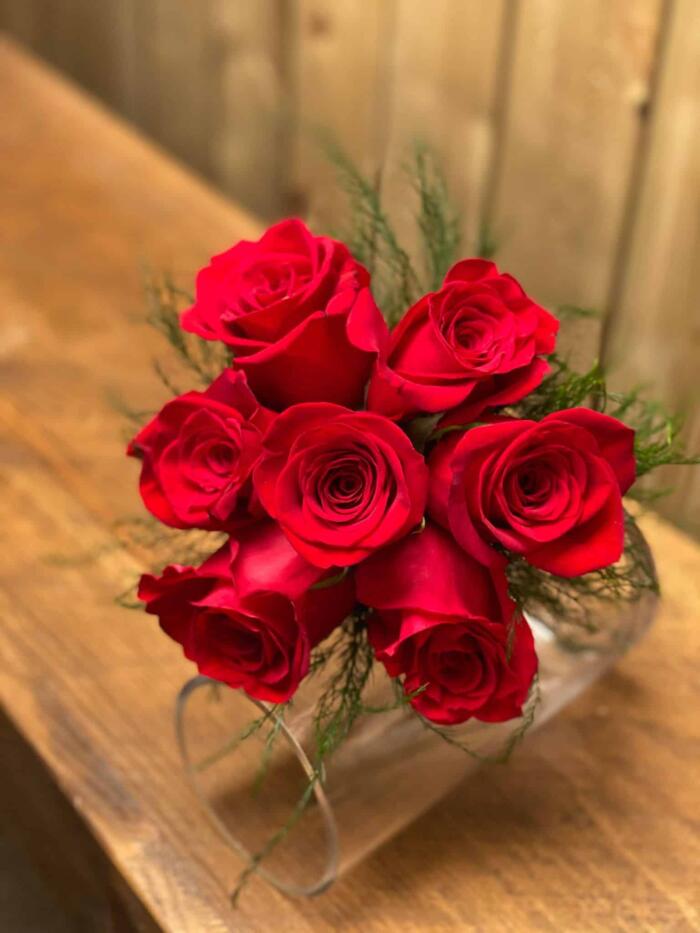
384	467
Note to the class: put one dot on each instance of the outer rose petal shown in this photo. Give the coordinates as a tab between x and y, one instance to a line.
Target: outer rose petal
172	595
615	439
510	391
392	395
231	388
323	609
472	449
523	664
224	294
429	570
267	618
366	327
299	418
441	476
318	360
599	543
261	558
471	270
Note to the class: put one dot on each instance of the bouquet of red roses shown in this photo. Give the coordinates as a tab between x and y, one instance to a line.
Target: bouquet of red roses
386	477
382	466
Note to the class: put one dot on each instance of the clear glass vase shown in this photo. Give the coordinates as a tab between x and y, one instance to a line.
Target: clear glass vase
390	769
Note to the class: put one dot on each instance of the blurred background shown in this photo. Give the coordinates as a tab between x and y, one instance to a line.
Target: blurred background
570	129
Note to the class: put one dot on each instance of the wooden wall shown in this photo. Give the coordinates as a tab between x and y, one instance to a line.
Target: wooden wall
571	126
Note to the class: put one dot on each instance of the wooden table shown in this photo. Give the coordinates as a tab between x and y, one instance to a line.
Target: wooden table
593	824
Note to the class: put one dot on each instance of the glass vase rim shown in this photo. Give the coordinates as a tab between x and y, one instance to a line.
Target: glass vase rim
330	873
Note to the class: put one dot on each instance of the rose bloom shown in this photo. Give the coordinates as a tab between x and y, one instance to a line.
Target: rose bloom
444	623
550	491
473	345
235	629
296	311
198	454
340	483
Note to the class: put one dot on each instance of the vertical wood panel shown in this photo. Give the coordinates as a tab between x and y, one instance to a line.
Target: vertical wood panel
203	78
340	59
210	88
537	108
654	335
579	80
171	75
443	78
20	20
247	130
89	41
98	38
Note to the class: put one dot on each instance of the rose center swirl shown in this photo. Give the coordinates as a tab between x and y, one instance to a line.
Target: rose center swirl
343	485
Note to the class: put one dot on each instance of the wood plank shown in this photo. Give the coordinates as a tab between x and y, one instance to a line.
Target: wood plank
553	823
20	19
64	681
249	123
654	334
156	220
56	846
444	77
90	42
205	79
592	824
173	97
579	82
339	78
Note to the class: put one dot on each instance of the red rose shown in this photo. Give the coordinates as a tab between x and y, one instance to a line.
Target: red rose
198	454
340	483
445	624
296	311
236	632
472	345
550	491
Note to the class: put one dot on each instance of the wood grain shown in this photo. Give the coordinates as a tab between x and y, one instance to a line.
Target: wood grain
579	76
654	336
249	130
562	123
339	73
444	78
592	826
